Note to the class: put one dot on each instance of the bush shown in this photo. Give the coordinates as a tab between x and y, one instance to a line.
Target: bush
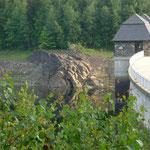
26	126
75	47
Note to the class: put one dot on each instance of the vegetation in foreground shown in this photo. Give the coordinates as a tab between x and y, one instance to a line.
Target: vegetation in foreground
26	126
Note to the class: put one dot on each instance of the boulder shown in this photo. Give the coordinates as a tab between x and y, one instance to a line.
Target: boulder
93	83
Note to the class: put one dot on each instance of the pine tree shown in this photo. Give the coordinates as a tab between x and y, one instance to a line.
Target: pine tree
127	9
16	27
33	7
2	23
88	24
54	23
70	24
40	18
107	22
46	39
52	34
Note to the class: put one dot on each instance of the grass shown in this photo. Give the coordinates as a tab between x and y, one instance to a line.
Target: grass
14	55
87	51
22	55
97	52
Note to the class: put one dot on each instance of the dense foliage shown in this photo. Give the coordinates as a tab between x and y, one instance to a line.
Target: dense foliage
25	126
52	24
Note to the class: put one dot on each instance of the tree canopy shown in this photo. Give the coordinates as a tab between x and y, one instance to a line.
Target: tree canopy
52	24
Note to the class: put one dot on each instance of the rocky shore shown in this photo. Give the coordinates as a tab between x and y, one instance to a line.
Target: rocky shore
63	74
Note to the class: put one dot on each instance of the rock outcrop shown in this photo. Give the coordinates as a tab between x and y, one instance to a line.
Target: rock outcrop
60	71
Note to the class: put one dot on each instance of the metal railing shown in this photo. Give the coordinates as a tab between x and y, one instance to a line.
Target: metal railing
137	77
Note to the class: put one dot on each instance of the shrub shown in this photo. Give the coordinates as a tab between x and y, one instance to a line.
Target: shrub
26	126
75	47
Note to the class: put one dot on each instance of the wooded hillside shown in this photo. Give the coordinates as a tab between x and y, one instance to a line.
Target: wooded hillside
52	24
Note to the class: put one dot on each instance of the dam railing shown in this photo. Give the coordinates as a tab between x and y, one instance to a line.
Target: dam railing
138	78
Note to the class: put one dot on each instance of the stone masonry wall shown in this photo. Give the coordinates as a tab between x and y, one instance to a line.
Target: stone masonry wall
124	49
146	48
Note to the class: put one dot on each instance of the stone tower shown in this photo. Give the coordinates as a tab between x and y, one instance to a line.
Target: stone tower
146	44
132	37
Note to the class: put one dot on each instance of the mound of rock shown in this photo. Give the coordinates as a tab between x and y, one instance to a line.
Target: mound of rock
63	71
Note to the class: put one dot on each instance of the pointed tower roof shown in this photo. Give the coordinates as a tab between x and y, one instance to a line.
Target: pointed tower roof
135	19
136	28
146	17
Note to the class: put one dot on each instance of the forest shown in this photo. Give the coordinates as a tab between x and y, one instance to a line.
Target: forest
53	24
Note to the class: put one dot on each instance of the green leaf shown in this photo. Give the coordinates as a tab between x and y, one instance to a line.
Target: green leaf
3	83
10	90
43	102
104	146
42	135
129	148
82	96
11	84
51	95
33	134
111	101
86	90
140	142
13	148
6	76
39	138
33	117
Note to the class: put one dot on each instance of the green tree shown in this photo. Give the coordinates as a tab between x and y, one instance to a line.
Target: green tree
40	18
16	26
33	7
52	33
104	27
127	9
46	39
107	22
87	21
90	22
70	24
2	23
142	7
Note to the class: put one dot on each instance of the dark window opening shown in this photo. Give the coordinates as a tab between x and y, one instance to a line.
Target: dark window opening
138	46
